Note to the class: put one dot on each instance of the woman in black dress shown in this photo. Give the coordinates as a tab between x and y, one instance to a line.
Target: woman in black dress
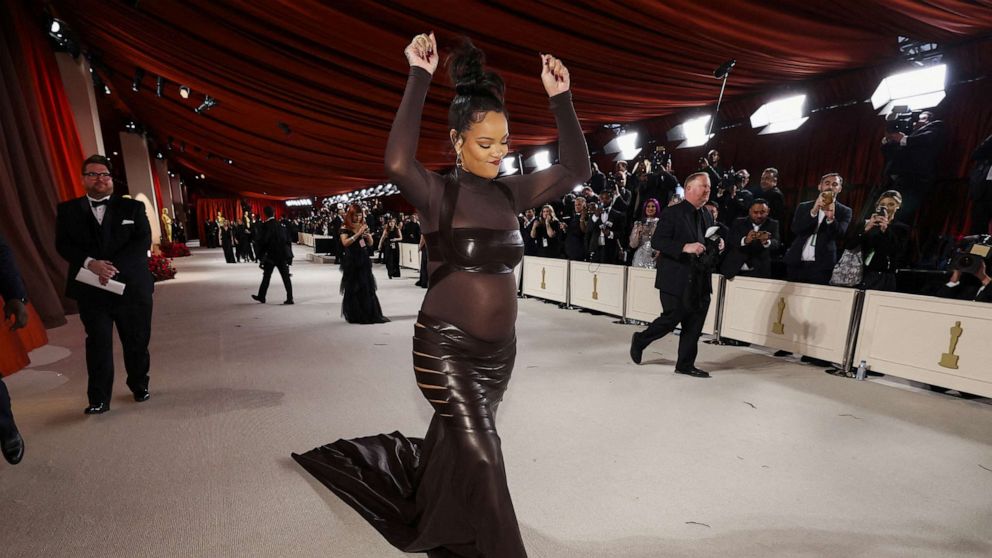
389	247
446	494
227	241
885	243
359	304
546	232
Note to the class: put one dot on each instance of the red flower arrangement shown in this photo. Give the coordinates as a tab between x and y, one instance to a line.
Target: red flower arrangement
161	268
174	250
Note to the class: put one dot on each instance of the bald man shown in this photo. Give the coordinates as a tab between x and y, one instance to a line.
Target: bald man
680	239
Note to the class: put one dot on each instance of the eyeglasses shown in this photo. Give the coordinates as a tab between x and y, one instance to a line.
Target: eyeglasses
96	174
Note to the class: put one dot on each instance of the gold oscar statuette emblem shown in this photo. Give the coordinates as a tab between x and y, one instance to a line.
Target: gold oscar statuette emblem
544	275
595	285
779	326
949	359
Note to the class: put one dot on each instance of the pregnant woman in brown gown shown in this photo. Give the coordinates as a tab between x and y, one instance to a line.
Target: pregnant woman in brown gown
446	494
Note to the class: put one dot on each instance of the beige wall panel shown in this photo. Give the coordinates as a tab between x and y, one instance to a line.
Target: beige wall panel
643	301
546	278
409	255
597	287
910	336
814	319
709	326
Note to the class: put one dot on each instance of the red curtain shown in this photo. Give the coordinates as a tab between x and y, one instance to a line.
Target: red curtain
334	71
58	123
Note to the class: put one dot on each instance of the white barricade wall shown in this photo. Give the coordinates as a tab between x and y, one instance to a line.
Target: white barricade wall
409	255
306	239
806	319
643	301
597	286
937	341
546	278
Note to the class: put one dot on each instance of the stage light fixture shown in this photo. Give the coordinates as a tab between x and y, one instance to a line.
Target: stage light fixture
184	92
541	160
230	161
624	145
115	153
159	83
56	27
782	115
139	75
694	132
207	104
509	165
160	156
918	89
578	188
106	90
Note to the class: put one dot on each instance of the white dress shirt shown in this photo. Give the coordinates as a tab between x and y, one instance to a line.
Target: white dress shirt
809	250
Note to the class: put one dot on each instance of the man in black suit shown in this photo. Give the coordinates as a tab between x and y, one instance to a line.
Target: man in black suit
604	231
818	225
15	298
110	236
274	251
980	188
680	239
911	163
769	191
751	243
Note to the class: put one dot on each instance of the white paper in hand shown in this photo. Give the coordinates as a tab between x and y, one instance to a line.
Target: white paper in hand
87	277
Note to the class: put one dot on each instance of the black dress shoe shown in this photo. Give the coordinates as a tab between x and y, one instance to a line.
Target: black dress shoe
288	302
13	449
694	372
142	395
636	349
258	298
97	409
782	353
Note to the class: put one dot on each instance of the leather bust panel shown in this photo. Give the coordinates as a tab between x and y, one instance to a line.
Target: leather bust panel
479	250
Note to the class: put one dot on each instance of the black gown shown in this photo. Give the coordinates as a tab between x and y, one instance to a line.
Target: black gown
447	494
391	252
359	304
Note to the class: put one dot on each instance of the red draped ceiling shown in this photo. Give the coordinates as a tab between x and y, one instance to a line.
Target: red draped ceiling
334	72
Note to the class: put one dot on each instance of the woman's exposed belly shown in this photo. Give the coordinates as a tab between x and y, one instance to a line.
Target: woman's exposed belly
484	305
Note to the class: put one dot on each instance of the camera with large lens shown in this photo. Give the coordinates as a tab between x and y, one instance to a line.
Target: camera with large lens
975	250
899	120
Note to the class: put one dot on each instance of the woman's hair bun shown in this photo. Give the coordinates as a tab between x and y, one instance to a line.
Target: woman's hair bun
466	68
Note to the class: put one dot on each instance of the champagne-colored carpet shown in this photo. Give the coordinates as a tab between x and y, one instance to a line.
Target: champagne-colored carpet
769	458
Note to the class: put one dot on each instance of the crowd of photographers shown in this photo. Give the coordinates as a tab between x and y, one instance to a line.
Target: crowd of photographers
612	218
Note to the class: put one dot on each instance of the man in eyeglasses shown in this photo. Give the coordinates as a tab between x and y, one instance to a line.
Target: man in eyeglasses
110	237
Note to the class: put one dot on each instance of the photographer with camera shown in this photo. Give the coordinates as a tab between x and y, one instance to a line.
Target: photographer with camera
911	150
575	230
605	228
751	243
969	278
684	275
732	199
884	244
980	188
818	225
546	233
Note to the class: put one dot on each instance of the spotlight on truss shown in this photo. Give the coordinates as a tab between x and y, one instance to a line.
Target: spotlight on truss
207	104
782	115
917	89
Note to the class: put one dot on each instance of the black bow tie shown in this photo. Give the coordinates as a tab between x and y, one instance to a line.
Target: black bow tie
99	203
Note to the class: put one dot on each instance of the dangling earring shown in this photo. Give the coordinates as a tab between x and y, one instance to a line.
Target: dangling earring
458	159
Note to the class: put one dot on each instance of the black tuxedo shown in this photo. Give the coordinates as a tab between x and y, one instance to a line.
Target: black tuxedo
274	251
980	188
912	168
755	254
675	278
827	234
124	239
11	288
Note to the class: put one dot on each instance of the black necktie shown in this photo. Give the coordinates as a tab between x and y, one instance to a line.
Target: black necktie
99	203
699	226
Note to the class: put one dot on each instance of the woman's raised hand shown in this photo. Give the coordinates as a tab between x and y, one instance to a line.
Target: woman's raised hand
554	75
422	52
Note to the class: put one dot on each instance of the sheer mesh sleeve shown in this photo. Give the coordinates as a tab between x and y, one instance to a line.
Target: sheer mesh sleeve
402	167
572	169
